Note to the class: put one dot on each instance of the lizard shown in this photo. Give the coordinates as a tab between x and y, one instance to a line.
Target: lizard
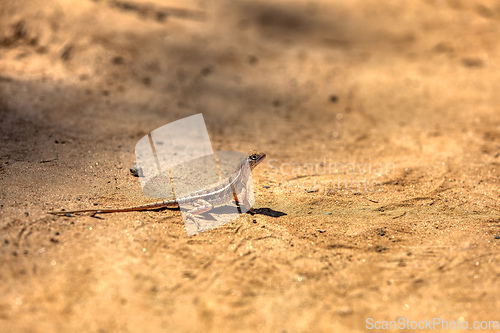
202	200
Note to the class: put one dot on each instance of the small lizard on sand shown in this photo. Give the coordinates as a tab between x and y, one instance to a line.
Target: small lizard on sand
203	200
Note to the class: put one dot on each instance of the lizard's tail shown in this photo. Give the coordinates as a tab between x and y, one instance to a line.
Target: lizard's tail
152	206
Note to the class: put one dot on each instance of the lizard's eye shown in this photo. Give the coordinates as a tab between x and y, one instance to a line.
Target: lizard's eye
253	157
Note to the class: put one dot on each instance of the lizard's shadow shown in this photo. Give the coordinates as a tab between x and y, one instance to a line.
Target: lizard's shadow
269	212
228	210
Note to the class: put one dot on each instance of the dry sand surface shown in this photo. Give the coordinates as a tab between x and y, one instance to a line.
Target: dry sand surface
379	197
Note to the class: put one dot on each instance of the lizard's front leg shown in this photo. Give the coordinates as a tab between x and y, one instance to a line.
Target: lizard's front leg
244	200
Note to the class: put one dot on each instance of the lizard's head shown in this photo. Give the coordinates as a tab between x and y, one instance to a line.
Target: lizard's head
254	157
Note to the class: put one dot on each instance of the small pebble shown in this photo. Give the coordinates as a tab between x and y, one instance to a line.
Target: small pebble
497	237
136	170
329	213
207	70
265	186
344	310
117	60
334	98
253	60
472	62
379	248
68	215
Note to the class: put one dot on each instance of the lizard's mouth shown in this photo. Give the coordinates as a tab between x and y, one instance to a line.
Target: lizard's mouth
261	158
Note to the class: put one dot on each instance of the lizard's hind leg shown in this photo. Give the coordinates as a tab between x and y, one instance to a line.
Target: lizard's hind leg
200	206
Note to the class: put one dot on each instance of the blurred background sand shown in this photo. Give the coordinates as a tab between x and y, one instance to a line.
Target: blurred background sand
406	93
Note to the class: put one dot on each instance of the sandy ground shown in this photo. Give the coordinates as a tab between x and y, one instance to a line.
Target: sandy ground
379	198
